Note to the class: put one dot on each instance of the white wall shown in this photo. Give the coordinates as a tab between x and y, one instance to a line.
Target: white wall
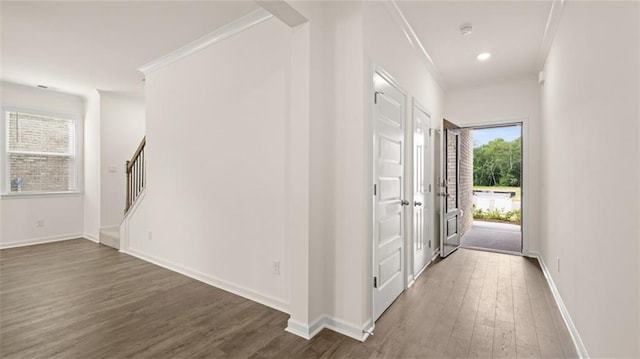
191	227
121	130
386	45
62	214
513	100
217	126
92	166
590	172
354	36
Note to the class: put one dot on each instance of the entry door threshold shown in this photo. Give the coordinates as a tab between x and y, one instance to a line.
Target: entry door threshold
492	250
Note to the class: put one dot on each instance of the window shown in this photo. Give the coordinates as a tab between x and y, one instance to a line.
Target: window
40	153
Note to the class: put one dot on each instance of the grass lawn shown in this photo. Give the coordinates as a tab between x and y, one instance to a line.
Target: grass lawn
517	190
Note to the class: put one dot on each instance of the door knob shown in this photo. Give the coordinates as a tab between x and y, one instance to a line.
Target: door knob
416	203
404	202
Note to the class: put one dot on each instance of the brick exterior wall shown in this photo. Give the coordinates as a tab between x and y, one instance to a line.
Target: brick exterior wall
466	179
44	158
452	174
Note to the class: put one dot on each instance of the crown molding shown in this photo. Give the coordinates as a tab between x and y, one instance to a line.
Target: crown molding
553	22
216	36
401	20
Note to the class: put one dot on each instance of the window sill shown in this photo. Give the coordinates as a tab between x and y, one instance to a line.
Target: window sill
24	195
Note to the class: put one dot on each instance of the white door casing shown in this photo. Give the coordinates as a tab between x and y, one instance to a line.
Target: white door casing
389	202
449	183
422	246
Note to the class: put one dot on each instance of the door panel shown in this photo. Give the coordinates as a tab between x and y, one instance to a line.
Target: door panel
389	204
422	251
450	213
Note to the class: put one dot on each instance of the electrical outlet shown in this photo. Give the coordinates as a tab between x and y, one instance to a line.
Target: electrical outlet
558	264
276	268
40	223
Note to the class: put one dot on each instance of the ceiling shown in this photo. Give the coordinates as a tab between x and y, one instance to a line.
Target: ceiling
76	47
512	31
80	46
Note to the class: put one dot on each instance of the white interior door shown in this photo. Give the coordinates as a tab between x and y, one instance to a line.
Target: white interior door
450	212
389	202
422	247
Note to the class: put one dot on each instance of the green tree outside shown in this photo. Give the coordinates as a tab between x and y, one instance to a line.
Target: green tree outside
498	163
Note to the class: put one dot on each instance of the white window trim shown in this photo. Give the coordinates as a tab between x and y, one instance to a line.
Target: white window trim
5	186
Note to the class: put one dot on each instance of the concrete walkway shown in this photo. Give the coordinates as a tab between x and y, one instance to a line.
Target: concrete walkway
492	235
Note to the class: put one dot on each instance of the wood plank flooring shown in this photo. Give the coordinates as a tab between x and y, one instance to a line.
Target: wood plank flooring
76	299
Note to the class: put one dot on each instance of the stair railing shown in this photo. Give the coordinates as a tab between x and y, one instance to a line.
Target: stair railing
135	175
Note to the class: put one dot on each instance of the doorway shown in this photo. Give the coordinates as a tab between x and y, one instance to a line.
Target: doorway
491	177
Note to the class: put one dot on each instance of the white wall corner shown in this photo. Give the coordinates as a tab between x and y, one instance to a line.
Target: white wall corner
283	11
353	331
553	21
573	331
91	237
308	331
304	330
124	236
410	280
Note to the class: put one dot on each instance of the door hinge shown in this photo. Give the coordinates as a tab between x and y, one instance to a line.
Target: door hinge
375	189
429	188
375	282
429	243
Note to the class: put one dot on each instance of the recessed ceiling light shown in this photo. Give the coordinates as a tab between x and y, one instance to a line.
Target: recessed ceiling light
484	56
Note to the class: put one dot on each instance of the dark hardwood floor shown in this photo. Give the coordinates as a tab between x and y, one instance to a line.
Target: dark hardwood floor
77	299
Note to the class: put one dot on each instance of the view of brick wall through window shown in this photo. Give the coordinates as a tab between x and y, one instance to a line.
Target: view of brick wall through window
466	179
41	153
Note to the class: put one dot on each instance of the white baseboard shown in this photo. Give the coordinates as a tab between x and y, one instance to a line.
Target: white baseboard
347	329
410	280
325	321
91	237
435	256
41	240
573	331
215	282
303	330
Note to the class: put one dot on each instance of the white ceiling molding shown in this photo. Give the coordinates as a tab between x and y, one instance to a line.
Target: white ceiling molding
220	34
284	12
553	21
415	42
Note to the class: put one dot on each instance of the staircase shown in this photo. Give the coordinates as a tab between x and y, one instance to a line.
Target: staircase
110	236
135	175
135	169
